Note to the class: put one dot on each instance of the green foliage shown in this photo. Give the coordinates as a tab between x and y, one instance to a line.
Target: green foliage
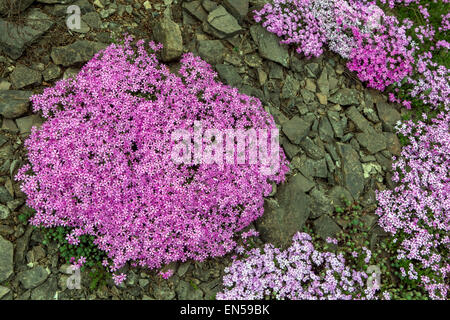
25	216
193	285
99	277
85	248
354	236
412	12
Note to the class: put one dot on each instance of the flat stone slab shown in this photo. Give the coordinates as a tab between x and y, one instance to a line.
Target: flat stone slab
284	216
345	97
79	51
15	38
269	46
4	291
372	142
33	277
389	116
353	174
296	129
14	103
6	259
23	76
196	9
222	21
14	6
168	33
326	227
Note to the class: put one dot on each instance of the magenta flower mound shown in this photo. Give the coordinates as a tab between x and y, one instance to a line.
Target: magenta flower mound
377	46
417	211
300	272
102	164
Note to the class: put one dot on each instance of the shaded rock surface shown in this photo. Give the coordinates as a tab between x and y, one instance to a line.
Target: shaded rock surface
6	259
168	33
14	103
79	51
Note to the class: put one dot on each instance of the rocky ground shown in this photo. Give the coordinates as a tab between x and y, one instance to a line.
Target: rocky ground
337	134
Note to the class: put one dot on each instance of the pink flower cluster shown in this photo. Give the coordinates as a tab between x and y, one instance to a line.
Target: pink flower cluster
166	275
375	44
383	56
417	211
102	165
300	272
77	264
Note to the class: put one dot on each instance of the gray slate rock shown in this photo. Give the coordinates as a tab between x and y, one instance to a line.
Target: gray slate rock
168	33
269	46
291	150
185	291
6	259
84	27
386	163
290	87
361	123
321	204
3	292
308	96
326	132
14	6
52	72
26	123
275	71
312	149
373	142
252	91
183	268
79	51
14	103
92	19
211	51
312	69
392	143
5	196
279	117
4	212
55	1
33	277
337	193
23	76
322	82
238	8
345	97
163	292
314	168
336	123
45	291
326	227
352	170
302	183
284	216
209	5
296	129
223	22
229	75
196	9
15	38
388	116
60	10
